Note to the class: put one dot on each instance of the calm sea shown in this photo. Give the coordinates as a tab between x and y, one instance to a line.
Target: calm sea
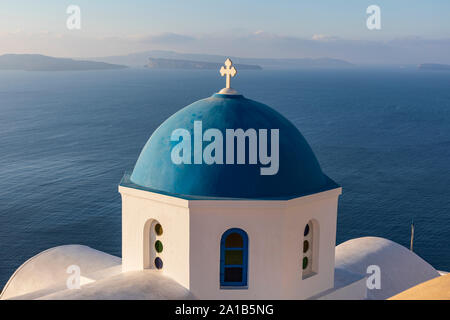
66	139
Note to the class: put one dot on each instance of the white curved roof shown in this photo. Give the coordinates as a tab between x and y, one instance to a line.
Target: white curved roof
133	285
44	276
400	268
48	269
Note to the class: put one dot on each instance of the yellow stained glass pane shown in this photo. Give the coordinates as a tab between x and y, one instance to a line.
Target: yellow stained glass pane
158	229
233	257
305	246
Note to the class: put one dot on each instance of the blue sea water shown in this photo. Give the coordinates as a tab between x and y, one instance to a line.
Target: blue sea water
66	139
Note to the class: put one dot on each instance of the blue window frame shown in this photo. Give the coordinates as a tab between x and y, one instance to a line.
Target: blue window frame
234	258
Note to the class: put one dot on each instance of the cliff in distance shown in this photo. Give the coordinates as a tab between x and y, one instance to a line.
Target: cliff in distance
38	62
161	63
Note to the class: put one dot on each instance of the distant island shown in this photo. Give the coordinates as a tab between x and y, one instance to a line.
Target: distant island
141	58
38	62
161	63
157	59
434	66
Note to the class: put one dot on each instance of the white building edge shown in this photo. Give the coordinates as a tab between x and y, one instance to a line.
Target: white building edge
203	240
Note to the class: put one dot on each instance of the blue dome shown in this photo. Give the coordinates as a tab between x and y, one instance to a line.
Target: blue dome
299	171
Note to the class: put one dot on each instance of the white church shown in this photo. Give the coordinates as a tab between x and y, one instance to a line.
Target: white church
205	217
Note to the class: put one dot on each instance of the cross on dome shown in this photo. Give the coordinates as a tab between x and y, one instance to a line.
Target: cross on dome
229	71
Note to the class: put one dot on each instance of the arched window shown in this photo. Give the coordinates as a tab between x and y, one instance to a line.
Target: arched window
308	263
153	245
233	258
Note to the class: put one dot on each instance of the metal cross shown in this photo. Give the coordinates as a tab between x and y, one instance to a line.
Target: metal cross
229	71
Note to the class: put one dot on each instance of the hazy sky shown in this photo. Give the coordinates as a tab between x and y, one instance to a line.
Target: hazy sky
282	28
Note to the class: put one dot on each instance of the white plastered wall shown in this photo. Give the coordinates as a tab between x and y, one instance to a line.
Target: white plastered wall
275	232
321	208
193	229
262	222
139	209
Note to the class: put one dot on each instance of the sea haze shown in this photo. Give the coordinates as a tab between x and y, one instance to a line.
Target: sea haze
66	138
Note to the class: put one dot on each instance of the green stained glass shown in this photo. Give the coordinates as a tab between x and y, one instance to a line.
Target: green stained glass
305	262
234	240
233	257
158	246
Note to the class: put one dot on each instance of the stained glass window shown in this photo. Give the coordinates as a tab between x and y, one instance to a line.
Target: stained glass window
234	258
305	262
309	249
158	229
234	240
305	246
233	275
306	230
158	246
158	263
